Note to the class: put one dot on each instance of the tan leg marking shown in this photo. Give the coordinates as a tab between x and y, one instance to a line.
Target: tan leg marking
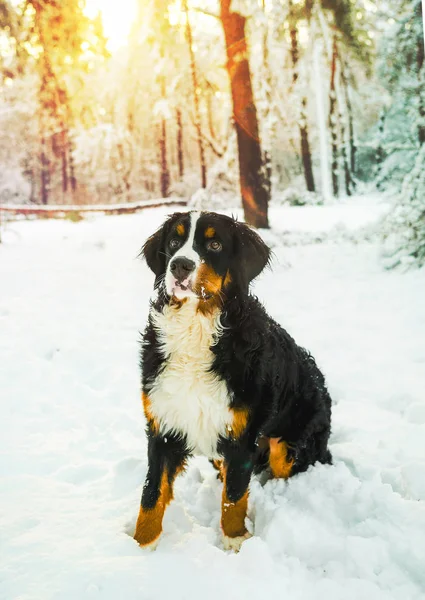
239	423
233	513
149	521
280	466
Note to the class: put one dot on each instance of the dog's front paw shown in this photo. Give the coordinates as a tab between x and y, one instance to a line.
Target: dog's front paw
235	543
146	535
145	542
152	546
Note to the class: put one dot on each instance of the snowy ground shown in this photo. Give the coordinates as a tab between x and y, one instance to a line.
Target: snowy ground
73	455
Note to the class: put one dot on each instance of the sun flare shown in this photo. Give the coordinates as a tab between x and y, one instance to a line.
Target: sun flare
117	19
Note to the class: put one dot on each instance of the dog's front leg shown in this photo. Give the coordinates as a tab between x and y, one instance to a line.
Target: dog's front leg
166	457
237	470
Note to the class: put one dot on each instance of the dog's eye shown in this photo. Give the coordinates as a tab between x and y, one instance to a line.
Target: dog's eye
215	246
174	243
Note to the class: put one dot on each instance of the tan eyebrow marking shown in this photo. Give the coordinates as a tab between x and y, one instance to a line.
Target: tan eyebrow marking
209	232
180	229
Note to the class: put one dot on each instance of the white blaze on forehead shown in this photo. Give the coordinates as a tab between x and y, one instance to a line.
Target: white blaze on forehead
187	249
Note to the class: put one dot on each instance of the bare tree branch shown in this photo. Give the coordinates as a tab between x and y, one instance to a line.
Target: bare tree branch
219	152
205	12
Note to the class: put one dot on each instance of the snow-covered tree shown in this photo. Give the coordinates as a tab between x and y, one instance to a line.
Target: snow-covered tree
402	72
406	225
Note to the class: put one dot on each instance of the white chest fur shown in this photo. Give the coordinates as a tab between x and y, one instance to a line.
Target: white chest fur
186	397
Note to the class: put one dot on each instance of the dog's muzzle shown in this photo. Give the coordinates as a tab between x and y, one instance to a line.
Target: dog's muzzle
181	269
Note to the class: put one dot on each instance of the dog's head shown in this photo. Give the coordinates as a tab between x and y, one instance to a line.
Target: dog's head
203	254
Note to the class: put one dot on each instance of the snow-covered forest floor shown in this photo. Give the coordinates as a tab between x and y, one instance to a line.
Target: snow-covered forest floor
73	297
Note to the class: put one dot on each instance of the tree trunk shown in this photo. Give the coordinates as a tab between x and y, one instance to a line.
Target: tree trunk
163	161
165	174
379	154
302	123
333	121
420	64
353	148
44	174
210	97
180	156
305	149
64	161
72	177
293	34
252	175
345	147
321	118
33	184
125	170
196	98
267	129
347	175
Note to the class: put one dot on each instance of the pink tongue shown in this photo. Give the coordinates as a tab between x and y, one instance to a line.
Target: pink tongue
184	284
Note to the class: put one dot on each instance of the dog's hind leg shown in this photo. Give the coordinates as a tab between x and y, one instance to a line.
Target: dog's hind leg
280	460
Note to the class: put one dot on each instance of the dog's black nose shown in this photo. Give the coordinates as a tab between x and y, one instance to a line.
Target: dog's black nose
181	267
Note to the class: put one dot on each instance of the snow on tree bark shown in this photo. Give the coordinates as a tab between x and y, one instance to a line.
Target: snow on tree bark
44	172
349	106
196	91
163	161
180	153
379	152
333	121
72	176
421	99
305	148
268	129
321	119
302	122
347	175
406	224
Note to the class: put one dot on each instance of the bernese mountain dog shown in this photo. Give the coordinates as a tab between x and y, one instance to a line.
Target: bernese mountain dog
220	378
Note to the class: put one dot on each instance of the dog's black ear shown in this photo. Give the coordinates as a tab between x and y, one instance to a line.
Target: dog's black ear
154	250
253	254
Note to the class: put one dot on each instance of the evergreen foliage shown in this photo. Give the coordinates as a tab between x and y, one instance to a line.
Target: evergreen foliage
406	224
